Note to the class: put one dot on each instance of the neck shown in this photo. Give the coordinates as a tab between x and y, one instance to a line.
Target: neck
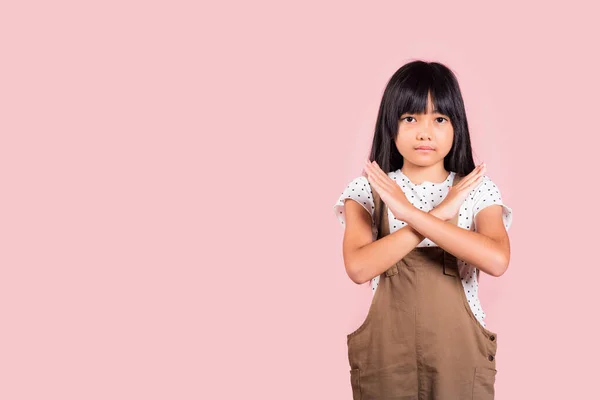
417	174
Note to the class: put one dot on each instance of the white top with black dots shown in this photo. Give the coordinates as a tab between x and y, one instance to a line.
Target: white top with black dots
427	196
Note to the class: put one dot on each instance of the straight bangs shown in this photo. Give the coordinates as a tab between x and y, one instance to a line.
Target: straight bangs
411	96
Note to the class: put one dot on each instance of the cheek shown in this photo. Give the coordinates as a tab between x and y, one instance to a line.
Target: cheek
446	137
404	132
401	140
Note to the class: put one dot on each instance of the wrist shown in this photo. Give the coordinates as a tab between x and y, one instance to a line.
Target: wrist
402	212
436	212
410	214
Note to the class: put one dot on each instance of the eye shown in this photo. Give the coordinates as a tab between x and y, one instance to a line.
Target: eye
442	119
407	117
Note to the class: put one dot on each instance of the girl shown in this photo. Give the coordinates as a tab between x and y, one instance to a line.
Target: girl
424	221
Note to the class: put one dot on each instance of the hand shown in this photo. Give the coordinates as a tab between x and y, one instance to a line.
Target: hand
387	188
448	208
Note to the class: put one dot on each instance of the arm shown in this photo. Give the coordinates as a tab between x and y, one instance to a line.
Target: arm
364	258
488	248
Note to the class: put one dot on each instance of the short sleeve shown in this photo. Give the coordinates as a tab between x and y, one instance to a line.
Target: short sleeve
488	194
358	190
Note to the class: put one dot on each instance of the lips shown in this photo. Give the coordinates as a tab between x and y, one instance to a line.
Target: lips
424	148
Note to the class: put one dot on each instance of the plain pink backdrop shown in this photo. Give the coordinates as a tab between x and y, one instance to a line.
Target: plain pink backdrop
169	169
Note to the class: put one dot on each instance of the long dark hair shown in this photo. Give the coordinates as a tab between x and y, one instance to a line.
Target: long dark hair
407	92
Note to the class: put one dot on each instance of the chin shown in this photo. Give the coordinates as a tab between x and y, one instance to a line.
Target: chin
423	162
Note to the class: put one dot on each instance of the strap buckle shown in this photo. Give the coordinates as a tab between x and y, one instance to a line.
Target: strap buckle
450	264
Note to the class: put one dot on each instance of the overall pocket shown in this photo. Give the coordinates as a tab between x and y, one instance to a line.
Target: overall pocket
391	382
483	383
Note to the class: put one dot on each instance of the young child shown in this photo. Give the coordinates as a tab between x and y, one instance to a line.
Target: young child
424	221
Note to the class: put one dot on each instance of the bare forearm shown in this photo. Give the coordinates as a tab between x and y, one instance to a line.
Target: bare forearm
375	258
469	246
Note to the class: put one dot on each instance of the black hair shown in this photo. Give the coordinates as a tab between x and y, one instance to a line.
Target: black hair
407	92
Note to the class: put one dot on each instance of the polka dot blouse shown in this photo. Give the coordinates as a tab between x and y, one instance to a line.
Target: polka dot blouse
427	196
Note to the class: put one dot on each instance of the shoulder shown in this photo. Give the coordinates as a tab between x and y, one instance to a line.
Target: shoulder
487	193
358	190
485	186
359	183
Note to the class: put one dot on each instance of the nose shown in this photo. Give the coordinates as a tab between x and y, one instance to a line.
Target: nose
424	134
425	130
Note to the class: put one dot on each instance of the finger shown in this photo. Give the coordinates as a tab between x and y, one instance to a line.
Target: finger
468	179
367	170
383	179
371	169
472	178
374	185
476	169
473	184
379	185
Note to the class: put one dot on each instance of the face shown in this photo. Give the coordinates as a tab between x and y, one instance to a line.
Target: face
431	129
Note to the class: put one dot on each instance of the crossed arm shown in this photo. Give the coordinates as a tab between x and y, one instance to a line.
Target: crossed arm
488	248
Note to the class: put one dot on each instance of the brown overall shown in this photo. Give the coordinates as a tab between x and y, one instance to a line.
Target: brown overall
420	339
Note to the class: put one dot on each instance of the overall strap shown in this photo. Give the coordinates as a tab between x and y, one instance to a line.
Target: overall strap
380	209
450	261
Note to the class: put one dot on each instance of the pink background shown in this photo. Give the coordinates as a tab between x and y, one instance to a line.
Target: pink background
169	169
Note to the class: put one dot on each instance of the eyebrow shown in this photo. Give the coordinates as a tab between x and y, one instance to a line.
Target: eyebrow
436	111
